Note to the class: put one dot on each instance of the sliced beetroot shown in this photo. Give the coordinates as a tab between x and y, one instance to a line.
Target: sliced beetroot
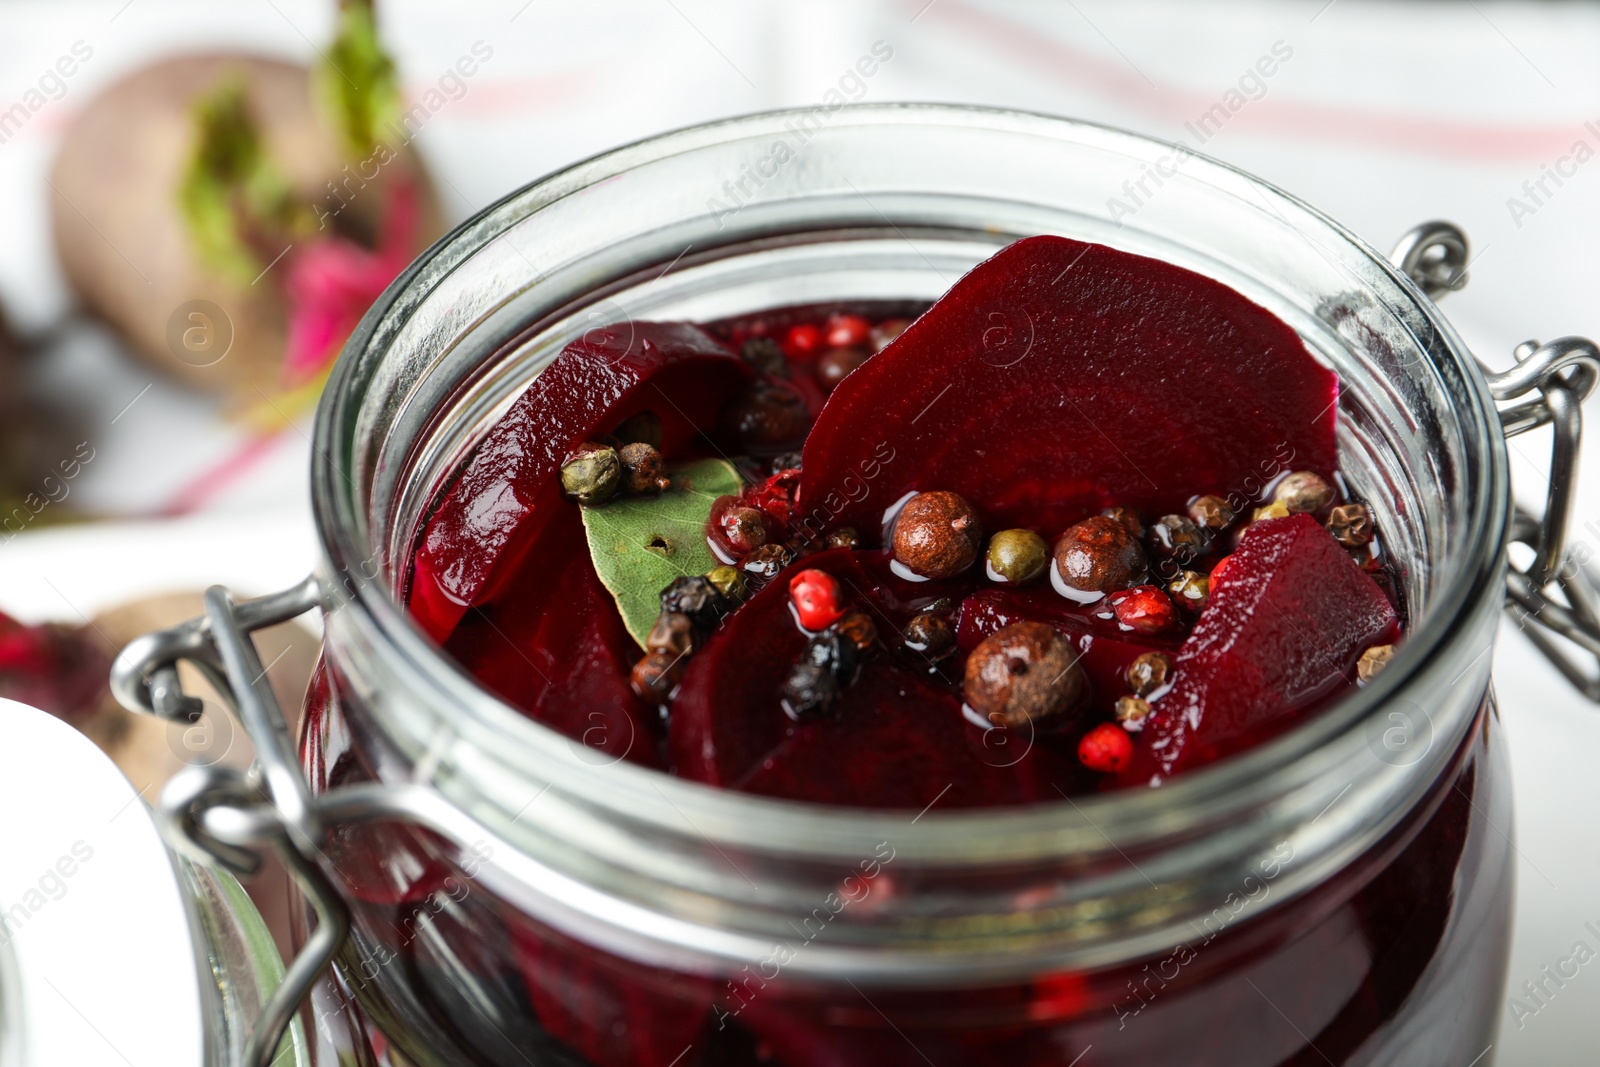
1057	378
1280	634
483	527
897	738
554	645
1107	651
612	1012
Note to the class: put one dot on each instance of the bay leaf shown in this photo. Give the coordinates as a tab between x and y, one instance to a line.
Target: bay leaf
639	544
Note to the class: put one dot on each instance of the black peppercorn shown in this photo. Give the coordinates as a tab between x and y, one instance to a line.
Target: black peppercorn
696	597
765	356
642	469
809	691
1176	537
931	635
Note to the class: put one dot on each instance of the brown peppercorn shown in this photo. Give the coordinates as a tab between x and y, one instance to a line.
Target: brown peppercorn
767	561
1210	512
1351	525
836	364
1131	712
765	356
745	528
1099	555
1372	661
766	418
1128	517
858	628
1150	672
1176	537
930	634
937	535
1025	674
1190	590
673	634
887	331
844	537
642	469
1304	491
656	676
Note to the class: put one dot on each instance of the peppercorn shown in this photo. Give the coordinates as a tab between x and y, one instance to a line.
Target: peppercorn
672	635
745	529
729	582
784	461
1107	749
1176	537
643	428
1211	512
766	417
1149	672
937	535
808	692
1190	590
1218	571
766	561
656	675
1372	661
836	364
766	357
858	628
846	331
931	635
1351	525
1143	609
844	537
1099	555
887	331
642	469
834	651
1016	556
1128	517
1304	491
696	597
1025	674
815	596
802	339
1131	711
592	473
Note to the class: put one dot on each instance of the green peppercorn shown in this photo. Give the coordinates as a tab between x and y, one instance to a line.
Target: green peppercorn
1149	672
592	474
1016	556
1304	491
1190	590
729	582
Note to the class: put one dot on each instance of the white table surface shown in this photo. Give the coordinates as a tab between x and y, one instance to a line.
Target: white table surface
1384	115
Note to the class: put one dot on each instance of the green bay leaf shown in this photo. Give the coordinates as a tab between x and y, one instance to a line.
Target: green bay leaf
639	544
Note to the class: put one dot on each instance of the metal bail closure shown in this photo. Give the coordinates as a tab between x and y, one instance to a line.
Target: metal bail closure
1556	595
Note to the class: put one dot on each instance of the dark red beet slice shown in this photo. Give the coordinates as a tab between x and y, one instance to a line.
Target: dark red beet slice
552	643
1282	632
1107	652
674	369
612	1012
898	739
1058	378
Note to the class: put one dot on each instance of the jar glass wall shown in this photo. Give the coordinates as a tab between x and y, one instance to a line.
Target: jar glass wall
616	915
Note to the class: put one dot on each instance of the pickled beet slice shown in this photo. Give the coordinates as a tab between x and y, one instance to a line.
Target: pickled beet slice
612	1012
1057	378
553	644
1280	633
674	369
897	737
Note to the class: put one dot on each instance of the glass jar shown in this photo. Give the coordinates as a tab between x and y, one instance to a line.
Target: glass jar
1339	894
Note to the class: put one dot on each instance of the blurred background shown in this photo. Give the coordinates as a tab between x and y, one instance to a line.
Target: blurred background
185	241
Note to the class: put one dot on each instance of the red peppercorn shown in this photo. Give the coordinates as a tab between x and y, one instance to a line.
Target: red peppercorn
1218	571
1144	609
847	330
815	595
1107	748
802	340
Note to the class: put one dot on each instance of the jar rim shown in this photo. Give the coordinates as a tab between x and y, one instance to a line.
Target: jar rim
1281	767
